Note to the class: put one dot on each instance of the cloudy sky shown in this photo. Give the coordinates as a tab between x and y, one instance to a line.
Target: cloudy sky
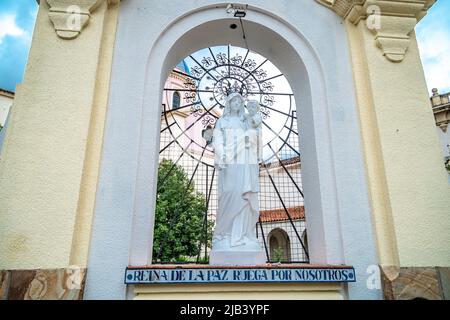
17	19
433	35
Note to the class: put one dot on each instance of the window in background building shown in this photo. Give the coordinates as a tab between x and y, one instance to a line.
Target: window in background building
176	100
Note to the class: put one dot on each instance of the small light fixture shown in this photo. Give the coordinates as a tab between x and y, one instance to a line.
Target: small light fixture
237	10
240	14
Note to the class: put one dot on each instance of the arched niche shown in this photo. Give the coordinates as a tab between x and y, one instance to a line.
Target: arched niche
309	45
264	37
279	240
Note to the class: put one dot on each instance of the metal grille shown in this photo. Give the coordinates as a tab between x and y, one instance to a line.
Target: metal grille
203	80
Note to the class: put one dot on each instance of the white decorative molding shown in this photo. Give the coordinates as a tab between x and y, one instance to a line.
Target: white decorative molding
69	17
441	109
391	21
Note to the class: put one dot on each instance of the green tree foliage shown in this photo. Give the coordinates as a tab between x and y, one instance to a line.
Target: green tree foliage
278	254
180	213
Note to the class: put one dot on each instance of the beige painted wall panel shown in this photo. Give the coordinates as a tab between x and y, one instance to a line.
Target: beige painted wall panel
42	161
304	291
402	156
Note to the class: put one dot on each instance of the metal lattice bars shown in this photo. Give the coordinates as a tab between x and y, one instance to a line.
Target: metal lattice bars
205	82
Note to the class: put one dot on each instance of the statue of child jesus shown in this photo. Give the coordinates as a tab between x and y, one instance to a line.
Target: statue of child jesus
253	121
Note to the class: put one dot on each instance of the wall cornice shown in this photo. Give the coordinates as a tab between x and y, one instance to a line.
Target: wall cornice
390	21
441	109
69	17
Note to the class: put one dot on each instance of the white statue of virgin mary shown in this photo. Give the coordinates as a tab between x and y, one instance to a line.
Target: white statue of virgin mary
236	159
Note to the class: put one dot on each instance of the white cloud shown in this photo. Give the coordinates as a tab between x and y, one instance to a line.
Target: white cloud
8	27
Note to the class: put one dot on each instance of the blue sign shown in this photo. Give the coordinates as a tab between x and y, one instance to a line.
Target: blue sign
160	275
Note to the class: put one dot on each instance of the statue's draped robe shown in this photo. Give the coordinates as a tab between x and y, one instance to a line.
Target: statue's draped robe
238	182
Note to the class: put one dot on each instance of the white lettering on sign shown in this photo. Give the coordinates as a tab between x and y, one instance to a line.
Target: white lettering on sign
219	275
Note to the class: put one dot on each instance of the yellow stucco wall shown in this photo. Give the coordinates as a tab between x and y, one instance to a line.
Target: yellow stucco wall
408	184
49	163
261	291
82	232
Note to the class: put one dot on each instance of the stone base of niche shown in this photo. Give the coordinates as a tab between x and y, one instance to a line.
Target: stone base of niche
56	284
409	283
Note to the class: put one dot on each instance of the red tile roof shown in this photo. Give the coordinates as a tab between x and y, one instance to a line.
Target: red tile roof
274	215
6	93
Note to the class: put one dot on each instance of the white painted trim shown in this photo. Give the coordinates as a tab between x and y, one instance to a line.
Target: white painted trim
315	60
